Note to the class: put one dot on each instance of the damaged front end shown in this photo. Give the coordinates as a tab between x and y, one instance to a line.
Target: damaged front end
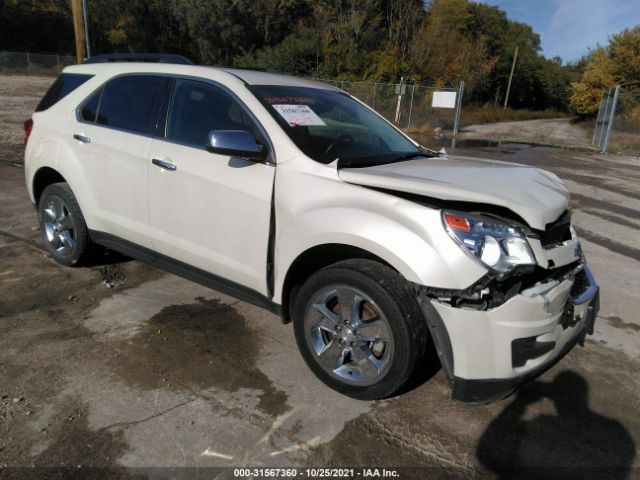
513	323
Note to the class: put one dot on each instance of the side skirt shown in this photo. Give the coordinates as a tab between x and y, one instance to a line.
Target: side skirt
184	270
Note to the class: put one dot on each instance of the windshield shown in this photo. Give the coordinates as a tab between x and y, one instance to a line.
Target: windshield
328	125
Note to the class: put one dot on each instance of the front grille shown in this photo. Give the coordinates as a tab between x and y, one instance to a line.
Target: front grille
556	232
557	235
580	284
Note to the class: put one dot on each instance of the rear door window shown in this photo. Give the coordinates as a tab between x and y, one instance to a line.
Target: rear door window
63	86
130	103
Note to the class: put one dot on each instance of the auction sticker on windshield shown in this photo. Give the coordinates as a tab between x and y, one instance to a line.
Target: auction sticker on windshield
299	115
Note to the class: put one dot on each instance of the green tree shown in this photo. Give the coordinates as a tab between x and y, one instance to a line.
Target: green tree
616	64
624	51
36	26
296	55
444	51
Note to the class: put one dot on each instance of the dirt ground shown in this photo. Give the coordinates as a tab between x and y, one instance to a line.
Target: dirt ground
550	132
123	367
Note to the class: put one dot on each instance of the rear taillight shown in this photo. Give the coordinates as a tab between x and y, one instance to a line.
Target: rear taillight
28	126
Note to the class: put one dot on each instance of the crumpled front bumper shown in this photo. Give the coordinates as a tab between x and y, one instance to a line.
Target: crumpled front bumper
488	354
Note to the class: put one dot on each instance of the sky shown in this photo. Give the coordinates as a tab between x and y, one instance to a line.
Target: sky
568	28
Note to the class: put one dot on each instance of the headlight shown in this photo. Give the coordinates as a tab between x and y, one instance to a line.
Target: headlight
497	245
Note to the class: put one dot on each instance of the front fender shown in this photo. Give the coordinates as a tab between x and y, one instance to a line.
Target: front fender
313	211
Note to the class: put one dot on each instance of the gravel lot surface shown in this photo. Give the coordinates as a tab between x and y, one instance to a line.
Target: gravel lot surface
120	365
553	132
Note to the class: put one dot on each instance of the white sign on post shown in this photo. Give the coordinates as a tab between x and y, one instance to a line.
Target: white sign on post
444	100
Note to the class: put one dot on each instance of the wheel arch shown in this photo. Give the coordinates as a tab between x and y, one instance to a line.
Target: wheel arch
44	177
313	259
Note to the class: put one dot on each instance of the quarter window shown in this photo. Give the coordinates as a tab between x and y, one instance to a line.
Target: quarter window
197	108
90	108
63	86
129	103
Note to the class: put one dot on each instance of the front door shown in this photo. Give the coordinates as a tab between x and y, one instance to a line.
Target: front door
206	210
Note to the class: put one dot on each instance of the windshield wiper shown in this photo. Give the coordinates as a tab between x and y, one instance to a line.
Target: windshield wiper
361	162
409	156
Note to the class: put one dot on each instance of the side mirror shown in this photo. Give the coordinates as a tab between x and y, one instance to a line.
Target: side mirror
236	143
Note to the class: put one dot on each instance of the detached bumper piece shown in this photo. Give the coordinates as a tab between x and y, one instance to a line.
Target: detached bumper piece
540	337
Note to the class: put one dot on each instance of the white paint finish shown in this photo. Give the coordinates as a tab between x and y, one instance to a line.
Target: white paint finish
536	196
562	254
212	212
314	207
481	340
114	169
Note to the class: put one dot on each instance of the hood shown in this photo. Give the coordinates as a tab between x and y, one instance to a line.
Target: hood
538	196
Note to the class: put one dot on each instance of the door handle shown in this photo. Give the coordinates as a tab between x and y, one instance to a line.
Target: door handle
164	165
81	138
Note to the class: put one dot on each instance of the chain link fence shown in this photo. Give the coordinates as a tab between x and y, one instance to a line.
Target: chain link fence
625	130
40	64
617	126
408	106
411	107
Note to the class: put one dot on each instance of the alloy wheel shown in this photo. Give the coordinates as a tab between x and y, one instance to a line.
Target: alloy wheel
349	335
58	226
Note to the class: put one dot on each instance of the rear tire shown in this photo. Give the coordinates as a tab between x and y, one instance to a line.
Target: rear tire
370	349
62	224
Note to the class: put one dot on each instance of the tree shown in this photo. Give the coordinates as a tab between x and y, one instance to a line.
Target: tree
36	26
616	64
624	51
296	55
425	41
444	50
597	78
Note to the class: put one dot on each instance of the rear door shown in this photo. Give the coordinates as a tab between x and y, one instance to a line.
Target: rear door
209	211
113	137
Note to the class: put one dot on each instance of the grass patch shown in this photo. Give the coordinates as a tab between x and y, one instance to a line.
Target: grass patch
475	115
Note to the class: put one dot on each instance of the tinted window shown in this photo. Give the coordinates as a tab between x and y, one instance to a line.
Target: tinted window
90	108
63	86
129	103
197	108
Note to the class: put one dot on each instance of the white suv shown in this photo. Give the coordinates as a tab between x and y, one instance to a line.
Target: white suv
299	198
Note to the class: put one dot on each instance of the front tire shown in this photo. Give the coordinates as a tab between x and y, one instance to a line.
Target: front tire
360	329
62	224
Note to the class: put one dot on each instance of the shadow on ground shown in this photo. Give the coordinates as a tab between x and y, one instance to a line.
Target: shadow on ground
573	442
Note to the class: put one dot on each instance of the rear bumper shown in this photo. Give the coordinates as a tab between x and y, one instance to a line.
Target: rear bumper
489	354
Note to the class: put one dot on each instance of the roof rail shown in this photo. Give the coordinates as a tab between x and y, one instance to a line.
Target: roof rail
139	57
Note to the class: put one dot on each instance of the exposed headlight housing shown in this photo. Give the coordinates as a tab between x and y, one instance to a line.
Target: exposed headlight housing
496	245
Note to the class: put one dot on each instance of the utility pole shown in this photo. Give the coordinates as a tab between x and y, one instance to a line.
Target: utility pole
78	29
513	67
